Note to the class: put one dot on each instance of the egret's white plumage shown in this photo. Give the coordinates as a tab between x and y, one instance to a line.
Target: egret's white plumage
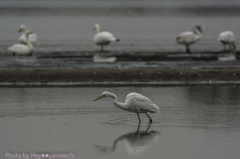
227	38
22	49
22	39
189	37
134	102
103	38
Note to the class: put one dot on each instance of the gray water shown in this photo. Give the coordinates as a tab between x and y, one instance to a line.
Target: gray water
195	122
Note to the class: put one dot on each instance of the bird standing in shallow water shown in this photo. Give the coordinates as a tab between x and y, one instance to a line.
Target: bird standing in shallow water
103	38
227	38
190	37
134	102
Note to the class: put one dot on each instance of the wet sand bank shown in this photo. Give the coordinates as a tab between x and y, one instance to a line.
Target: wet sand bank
135	68
117	77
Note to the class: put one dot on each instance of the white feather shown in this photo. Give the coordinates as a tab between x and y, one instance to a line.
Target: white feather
103	38
140	103
226	36
22	49
22	38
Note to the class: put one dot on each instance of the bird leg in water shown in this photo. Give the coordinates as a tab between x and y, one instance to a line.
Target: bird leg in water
138	127
224	47
148	117
139	118
233	46
187	49
149	125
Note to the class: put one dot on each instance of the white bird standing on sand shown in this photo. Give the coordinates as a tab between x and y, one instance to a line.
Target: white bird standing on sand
103	38
134	102
190	37
22	49
22	39
227	38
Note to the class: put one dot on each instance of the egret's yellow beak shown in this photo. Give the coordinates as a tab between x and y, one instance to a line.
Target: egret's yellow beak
20	30
98	98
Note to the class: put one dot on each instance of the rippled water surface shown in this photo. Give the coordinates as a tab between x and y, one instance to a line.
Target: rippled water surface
195	122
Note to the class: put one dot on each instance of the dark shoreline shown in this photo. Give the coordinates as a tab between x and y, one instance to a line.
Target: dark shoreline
206	11
117	77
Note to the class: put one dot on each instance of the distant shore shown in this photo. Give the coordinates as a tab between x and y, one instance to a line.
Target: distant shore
185	11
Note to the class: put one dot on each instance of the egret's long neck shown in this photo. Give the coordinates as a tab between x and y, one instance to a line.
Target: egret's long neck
197	32
117	103
97	29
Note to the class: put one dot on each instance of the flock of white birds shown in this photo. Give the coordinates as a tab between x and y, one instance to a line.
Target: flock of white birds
26	40
102	38
190	37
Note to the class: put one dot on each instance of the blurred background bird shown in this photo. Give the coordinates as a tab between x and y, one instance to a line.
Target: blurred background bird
22	39
22	49
103	38
190	37
227	38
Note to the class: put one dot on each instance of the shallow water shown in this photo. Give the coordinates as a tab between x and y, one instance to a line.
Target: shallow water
195	122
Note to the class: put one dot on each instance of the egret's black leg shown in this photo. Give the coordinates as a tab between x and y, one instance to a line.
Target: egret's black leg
224	47
139	118
138	127
148	117
233	46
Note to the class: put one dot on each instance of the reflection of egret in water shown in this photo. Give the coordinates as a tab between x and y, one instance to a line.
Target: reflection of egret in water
135	142
100	58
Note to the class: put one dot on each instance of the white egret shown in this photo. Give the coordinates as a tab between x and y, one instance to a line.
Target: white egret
134	102
190	37
22	38
103	38
22	49
227	38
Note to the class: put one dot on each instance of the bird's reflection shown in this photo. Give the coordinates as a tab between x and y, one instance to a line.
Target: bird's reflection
135	142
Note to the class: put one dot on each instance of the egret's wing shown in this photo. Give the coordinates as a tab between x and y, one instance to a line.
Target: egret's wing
185	37
108	35
141	103
227	36
104	37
